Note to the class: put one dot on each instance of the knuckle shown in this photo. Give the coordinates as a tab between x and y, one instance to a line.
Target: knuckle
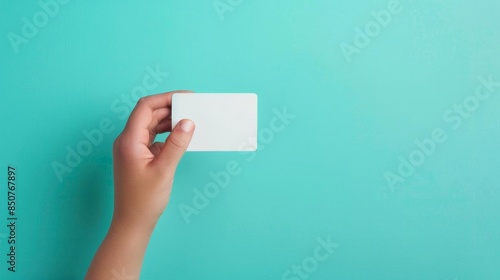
117	147
120	145
116	143
176	143
141	101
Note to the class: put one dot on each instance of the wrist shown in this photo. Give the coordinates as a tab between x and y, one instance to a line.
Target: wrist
132	226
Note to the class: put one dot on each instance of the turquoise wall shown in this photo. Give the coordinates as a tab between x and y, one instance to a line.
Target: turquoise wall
379	124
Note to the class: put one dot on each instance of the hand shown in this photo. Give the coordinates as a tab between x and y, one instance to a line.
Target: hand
143	170
144	174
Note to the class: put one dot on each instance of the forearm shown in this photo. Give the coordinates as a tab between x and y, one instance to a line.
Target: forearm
144	173
121	253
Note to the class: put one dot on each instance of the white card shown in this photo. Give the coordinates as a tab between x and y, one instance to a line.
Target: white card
224	121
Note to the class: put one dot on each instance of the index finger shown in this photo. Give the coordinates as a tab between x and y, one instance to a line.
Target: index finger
142	115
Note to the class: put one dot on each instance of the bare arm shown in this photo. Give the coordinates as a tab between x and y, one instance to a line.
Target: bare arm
143	173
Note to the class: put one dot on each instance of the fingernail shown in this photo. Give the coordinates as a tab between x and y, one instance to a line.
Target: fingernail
187	125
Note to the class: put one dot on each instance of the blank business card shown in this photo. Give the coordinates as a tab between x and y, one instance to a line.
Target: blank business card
224	121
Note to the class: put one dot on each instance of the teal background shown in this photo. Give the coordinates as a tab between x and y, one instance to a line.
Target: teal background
321	176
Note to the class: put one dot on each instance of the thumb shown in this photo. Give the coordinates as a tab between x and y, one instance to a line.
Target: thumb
175	146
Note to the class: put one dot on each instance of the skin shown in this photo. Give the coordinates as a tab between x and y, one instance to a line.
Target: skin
143	175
